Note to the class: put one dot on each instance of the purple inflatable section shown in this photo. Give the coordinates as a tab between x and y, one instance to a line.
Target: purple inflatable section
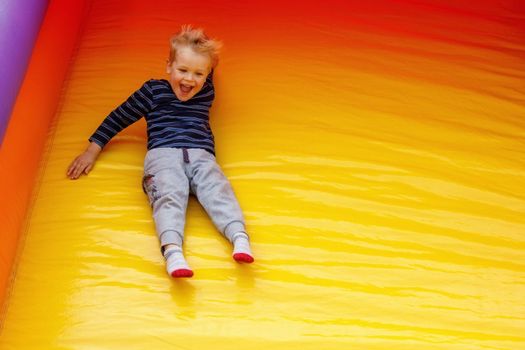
20	22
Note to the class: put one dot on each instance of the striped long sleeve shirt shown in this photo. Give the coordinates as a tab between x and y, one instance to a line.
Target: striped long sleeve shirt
170	122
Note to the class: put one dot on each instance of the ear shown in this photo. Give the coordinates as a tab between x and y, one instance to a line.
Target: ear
168	67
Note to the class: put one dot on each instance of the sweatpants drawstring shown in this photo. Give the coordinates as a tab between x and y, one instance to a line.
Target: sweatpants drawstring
185	155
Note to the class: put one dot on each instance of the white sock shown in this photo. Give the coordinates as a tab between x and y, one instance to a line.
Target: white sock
176	265
241	244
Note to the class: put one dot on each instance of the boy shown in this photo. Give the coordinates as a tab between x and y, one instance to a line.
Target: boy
181	154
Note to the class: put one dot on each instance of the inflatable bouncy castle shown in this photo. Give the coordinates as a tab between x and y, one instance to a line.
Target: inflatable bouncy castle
377	149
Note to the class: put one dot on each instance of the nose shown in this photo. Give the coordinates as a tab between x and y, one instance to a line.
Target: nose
189	77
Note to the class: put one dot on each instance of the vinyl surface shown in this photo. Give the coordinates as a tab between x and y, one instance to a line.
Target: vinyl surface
376	150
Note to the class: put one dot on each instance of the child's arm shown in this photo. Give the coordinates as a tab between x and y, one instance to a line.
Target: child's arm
84	162
136	106
133	109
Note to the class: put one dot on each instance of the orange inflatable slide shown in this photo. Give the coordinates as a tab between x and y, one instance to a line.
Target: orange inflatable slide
376	149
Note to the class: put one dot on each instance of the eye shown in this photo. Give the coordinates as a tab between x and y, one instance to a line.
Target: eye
182	70
200	74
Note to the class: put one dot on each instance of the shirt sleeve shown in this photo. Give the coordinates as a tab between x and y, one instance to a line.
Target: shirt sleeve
133	109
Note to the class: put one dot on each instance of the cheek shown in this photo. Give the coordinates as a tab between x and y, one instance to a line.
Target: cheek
175	76
201	82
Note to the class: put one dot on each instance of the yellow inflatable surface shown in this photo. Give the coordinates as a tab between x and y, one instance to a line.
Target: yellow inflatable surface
377	151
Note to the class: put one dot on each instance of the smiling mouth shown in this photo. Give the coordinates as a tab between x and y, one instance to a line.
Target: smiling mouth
186	89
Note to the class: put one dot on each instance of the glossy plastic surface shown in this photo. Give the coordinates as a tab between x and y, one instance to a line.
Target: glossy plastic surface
376	150
19	25
29	129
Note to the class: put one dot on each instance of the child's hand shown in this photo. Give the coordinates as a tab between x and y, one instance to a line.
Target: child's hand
84	162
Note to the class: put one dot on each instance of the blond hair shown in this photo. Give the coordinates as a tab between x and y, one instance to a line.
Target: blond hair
195	39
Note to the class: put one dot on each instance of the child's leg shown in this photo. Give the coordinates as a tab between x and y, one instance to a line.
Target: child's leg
216	195
167	187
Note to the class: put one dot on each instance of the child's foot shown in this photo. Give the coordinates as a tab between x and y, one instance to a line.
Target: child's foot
241	248
175	263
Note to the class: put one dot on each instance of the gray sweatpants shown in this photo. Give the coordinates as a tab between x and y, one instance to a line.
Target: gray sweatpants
169	176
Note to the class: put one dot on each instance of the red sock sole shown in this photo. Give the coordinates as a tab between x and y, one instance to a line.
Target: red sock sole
243	257
182	273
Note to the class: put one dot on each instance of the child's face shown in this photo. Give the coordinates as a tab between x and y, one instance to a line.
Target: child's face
188	73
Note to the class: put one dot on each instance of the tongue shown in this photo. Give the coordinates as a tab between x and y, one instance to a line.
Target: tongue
185	89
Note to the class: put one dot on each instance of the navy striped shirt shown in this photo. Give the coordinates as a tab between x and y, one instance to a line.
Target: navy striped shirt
171	122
